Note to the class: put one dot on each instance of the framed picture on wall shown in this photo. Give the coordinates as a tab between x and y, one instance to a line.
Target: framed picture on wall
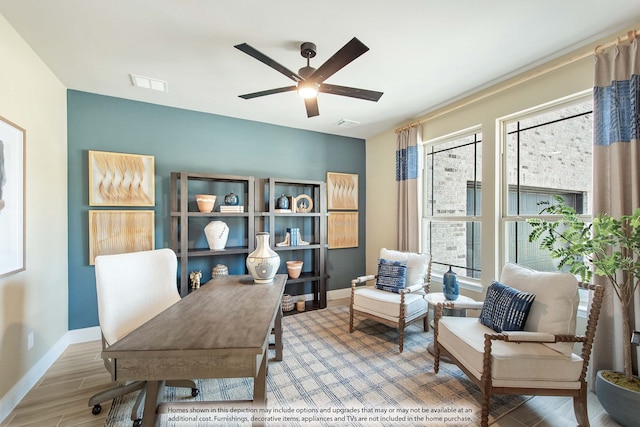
12	198
342	230
119	179
342	191
117	232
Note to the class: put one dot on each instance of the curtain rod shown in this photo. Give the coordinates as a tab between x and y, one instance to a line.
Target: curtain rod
632	34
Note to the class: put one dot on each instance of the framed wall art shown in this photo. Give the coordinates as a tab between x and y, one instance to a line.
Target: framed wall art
117	232
12	198
119	179
342	191
343	230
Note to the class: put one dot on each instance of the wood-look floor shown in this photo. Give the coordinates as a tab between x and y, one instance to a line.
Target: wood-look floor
61	398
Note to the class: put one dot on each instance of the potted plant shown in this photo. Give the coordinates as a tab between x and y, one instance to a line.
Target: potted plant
607	247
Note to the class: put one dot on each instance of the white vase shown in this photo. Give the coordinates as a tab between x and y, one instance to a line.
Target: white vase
217	234
263	263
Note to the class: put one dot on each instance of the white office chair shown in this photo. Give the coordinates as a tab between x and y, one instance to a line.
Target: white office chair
132	288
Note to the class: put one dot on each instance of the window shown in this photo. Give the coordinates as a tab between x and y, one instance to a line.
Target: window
546	152
451	229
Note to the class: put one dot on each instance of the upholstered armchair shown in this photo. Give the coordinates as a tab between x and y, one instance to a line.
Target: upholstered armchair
527	347
395	296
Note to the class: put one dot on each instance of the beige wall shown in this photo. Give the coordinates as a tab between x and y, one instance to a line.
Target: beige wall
35	299
483	109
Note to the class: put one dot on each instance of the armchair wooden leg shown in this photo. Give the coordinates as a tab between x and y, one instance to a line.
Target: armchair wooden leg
351	319
484	417
401	338
580	407
425	323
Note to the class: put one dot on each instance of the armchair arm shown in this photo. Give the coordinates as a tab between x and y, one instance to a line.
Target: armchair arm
362	279
533	337
475	305
415	288
537	337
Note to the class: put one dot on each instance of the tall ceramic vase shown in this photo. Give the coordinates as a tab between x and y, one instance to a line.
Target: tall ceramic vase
450	286
217	234
263	263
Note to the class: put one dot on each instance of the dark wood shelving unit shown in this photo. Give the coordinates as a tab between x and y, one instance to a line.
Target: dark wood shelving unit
313	228
183	188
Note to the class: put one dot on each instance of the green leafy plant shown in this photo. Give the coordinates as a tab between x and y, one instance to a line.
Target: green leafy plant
607	247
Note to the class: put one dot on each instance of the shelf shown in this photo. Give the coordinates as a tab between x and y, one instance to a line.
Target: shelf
308	306
210	252
307	277
211	214
297	248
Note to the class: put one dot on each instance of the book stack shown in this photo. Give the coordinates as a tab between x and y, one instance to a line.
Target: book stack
294	236
231	209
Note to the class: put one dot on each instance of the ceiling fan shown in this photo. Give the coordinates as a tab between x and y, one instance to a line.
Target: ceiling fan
309	80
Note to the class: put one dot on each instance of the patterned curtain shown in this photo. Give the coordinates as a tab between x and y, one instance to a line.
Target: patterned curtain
408	160
616	176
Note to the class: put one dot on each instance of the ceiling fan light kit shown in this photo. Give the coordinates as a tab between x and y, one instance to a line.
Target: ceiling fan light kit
310	81
307	89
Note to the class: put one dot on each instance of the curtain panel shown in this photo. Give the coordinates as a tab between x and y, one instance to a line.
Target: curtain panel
616	178
408	160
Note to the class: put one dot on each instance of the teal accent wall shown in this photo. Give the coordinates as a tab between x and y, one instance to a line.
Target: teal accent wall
183	140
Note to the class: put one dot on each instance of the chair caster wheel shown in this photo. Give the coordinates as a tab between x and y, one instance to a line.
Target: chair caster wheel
195	392
96	409
137	423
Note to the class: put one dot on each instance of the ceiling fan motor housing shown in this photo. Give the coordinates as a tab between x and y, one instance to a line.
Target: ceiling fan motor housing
308	50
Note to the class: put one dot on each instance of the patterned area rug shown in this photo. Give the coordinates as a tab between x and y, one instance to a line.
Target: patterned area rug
332	378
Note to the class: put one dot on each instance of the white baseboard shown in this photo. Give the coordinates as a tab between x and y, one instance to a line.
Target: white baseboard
10	400
84	335
339	294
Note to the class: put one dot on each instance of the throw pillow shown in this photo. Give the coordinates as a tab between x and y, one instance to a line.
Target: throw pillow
554	310
417	264
505	308
392	275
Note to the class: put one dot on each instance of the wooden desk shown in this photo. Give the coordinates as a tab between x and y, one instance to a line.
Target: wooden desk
219	331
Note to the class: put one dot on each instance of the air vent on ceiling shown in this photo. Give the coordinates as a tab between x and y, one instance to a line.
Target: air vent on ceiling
345	123
149	83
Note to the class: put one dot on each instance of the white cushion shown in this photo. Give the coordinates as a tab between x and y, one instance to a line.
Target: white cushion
520	364
387	304
417	264
555	307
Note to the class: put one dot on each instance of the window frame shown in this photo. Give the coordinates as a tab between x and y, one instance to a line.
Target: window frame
465	281
505	218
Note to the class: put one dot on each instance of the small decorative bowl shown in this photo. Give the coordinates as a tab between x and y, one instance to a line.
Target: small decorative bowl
219	270
205	202
287	302
294	268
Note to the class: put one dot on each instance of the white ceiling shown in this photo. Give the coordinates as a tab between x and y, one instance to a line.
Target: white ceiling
423	53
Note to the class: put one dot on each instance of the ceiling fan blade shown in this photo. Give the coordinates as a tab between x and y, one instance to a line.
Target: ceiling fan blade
251	51
369	95
353	49
312	107
268	92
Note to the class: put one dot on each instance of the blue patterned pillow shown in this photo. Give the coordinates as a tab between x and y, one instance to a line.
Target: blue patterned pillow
505	308
392	275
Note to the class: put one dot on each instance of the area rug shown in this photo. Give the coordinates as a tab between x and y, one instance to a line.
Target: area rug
332	378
